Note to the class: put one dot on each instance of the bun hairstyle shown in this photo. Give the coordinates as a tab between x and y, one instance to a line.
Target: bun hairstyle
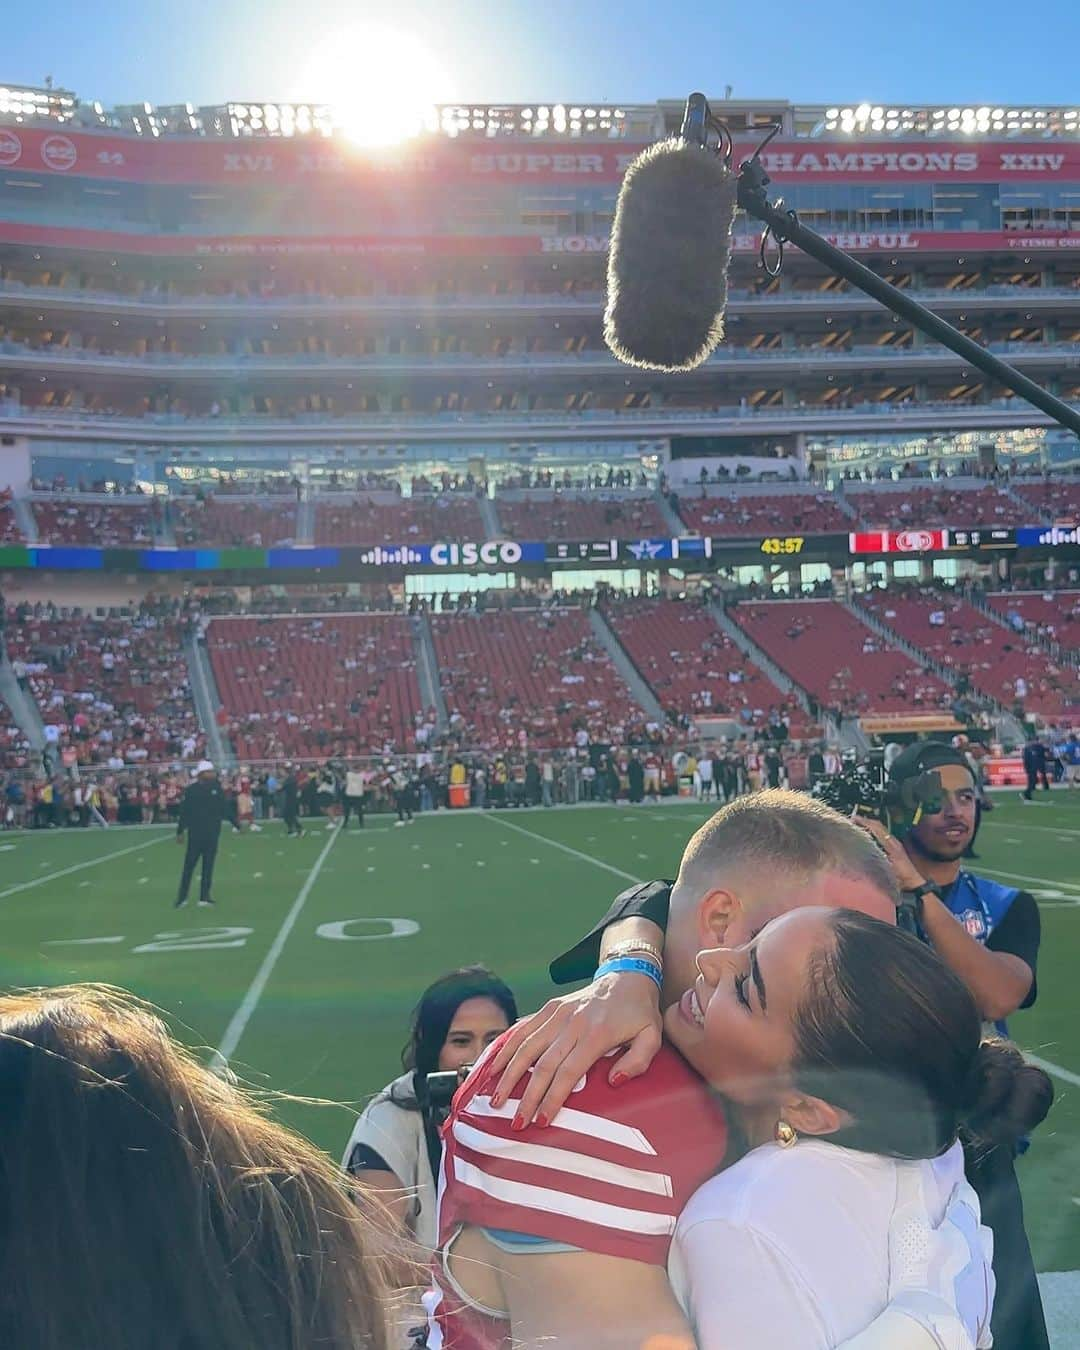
1006	1096
887	1033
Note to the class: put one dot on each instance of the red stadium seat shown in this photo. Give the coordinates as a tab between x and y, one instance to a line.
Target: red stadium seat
840	661
316	685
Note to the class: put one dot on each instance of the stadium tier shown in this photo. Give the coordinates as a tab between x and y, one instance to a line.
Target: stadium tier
312	687
72	521
1053	617
1010	668
233	523
727	512
383	518
835	657
932	507
566	516
107	688
693	668
225	295
516	679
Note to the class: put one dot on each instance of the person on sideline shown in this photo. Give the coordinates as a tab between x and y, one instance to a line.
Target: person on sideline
146	1201
393	1150
202	811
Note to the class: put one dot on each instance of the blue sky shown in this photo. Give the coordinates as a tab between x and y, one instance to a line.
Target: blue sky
207	51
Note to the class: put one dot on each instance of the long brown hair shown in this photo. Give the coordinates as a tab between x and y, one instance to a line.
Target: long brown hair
891	1035
145	1202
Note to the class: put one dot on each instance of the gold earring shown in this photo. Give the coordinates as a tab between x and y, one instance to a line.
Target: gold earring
785	1134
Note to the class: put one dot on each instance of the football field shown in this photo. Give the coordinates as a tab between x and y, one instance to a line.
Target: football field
304	974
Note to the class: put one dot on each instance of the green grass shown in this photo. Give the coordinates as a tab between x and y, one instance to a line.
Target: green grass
332	1016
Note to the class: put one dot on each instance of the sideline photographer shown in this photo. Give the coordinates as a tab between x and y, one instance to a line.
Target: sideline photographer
394	1150
989	934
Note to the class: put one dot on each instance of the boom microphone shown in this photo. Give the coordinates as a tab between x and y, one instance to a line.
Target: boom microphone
670	247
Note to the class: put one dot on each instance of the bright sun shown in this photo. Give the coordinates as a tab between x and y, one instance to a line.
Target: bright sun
381	83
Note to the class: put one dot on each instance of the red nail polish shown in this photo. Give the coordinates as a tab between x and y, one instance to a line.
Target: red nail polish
618	1079
542	1121
518	1123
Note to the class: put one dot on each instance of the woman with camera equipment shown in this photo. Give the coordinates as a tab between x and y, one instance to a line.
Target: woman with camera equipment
394	1150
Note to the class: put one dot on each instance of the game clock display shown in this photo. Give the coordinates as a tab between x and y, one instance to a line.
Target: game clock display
785	543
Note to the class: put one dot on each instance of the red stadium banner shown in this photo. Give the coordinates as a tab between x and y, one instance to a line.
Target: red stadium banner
482	245
1005	772
280	160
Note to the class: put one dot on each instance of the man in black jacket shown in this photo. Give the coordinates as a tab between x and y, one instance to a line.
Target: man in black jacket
290	801
202	810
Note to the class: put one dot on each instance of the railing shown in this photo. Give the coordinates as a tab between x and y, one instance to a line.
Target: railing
739	298
291	362
396	425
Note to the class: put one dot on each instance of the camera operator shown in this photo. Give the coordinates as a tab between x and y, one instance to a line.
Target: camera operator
989	934
394	1150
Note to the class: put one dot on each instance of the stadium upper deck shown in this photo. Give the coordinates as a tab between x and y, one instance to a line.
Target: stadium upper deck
242	277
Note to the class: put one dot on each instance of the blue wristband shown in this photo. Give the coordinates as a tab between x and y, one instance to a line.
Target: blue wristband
636	965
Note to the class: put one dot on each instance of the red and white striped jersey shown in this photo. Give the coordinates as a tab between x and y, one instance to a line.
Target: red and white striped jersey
610	1174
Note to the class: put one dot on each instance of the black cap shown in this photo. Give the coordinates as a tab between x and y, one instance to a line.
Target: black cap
925	756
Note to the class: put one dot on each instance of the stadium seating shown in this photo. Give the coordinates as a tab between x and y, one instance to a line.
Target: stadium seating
934	506
1056	499
233	523
519	677
10	531
314	686
1053	616
70	521
691	665
966	641
826	650
110	685
382	518
538	515
14	749
724	511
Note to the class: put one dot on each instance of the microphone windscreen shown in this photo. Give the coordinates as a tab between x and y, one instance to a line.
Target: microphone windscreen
668	261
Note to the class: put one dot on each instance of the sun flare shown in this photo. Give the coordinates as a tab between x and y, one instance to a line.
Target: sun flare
381	84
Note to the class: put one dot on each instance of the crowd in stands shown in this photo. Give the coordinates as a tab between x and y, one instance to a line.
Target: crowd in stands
1015	671
399	520
515	679
315	686
1051	616
847	668
933	507
1056	498
233	524
68	521
729	513
373	508
693	667
10	531
581	517
111	690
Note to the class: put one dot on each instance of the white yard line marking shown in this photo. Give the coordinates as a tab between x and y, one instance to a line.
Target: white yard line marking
82	942
563	848
1048	1066
79	867
1045	881
220	1058
1023	825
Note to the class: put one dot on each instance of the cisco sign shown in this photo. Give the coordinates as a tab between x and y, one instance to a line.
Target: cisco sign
468	555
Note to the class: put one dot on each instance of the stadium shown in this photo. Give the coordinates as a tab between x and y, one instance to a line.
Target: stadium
313	457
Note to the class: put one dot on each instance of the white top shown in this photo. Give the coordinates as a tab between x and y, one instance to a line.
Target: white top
397	1136
804	1247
